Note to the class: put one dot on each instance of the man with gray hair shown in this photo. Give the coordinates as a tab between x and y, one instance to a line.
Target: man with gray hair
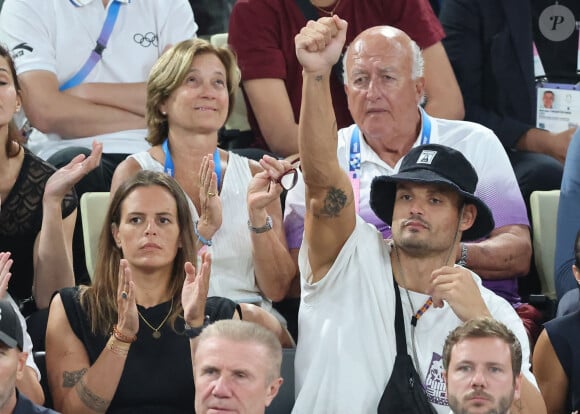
236	366
482	360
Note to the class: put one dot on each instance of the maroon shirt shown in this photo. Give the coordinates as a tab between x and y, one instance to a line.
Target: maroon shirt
262	32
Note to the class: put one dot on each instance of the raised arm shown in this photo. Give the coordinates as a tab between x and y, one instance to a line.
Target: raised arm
53	267
330	215
273	265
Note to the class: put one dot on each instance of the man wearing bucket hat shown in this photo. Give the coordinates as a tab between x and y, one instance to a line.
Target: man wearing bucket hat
388	123
12	363
356	285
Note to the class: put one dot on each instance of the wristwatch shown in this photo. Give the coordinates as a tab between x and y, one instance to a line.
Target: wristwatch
264	228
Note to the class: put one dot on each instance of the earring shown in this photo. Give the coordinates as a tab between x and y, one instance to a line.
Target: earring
163	113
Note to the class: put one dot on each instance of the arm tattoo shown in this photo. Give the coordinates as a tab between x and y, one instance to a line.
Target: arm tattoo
333	203
90	399
318	78
70	378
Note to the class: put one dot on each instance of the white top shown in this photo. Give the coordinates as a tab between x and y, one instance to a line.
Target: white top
347	346
57	36
497	185
27	345
232	269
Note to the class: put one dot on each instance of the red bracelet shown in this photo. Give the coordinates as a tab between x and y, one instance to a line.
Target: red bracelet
119	336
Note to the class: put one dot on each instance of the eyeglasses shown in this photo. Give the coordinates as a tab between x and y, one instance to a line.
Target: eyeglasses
289	178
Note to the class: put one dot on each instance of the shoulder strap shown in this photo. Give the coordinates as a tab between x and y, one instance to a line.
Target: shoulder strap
308	10
97	52
399	322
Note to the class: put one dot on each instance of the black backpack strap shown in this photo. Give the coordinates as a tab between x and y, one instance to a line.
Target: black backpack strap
399	322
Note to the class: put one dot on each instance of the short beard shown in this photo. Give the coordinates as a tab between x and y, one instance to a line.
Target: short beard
503	407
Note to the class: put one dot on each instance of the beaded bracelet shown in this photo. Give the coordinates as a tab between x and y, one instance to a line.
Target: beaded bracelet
202	239
119	336
114	345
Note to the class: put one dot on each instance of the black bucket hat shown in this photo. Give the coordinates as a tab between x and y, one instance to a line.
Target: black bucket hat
433	164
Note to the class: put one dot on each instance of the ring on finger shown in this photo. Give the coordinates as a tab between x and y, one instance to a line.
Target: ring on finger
124	295
211	194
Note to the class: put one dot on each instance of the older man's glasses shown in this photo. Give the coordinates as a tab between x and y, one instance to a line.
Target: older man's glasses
289	178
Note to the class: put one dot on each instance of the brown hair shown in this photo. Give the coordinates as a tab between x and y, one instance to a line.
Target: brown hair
13	133
100	299
169	72
484	327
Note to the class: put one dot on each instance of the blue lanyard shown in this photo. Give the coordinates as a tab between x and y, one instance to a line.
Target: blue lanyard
169	168
354	161
97	52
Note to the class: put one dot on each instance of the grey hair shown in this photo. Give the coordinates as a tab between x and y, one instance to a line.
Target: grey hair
418	62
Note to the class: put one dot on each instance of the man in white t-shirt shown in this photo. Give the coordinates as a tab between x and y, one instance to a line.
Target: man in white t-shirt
482	360
350	275
366	150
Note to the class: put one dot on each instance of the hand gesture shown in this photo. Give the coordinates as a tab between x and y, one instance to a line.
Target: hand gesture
456	286
194	292
5	265
263	188
210	218
319	44
127	316
63	180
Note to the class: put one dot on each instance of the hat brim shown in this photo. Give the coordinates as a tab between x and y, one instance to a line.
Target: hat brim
384	189
8	340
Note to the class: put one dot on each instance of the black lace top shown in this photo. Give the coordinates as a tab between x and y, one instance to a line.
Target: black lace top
21	219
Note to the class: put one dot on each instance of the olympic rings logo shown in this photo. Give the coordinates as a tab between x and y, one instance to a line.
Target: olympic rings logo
146	39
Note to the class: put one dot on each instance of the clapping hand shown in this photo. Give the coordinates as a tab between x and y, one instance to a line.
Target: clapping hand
194	292
211	206
5	265
128	318
64	179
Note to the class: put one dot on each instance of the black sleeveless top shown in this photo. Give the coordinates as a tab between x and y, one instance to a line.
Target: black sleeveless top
158	376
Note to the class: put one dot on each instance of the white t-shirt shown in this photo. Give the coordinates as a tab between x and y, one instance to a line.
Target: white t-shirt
58	36
347	346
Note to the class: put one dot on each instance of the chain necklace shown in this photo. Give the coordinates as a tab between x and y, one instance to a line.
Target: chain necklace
331	12
156	334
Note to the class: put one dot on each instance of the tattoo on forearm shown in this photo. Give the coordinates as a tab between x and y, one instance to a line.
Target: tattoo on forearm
318	78
70	378
90	399
333	203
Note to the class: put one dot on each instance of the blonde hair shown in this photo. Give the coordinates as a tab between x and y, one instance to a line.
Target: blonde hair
169	72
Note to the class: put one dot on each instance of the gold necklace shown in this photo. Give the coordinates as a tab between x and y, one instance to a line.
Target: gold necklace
330	13
156	334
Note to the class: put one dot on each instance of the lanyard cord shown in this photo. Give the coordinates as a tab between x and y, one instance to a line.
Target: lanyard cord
169	168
